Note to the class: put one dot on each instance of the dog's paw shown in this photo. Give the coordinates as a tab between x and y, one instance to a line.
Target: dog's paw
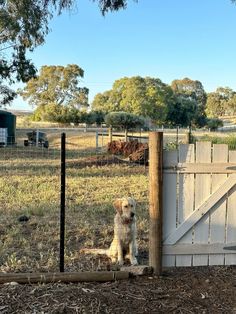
134	261
121	262
113	260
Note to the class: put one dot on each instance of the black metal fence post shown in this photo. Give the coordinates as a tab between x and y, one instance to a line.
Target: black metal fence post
63	193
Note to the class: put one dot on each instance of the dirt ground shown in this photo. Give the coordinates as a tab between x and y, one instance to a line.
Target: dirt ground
182	290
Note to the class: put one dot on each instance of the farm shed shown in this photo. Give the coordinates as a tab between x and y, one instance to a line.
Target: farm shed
8	121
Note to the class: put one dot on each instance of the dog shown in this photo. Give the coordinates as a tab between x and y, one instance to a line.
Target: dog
124	243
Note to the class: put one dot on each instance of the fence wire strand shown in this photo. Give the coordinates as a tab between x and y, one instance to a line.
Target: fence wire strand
30	202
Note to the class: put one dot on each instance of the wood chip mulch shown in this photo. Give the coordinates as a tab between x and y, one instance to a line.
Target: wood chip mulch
181	290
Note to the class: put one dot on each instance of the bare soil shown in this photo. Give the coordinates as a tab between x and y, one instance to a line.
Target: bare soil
178	290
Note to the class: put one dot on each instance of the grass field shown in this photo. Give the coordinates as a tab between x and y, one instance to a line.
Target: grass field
30	185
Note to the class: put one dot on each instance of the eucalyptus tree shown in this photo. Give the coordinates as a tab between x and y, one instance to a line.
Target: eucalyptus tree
221	102
191	92
23	27
57	87
147	97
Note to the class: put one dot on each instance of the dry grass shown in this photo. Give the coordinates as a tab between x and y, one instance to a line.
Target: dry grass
30	185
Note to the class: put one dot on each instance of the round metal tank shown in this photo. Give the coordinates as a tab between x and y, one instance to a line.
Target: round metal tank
8	120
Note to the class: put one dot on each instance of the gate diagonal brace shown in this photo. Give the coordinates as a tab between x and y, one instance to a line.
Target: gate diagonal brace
201	211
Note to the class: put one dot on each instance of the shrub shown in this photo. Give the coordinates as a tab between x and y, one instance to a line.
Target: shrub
214	123
124	120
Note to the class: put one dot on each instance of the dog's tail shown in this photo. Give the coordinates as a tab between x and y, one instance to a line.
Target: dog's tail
95	251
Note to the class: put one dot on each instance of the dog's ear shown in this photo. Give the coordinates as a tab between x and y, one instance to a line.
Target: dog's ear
117	204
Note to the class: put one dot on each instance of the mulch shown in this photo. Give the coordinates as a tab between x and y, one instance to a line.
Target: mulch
178	290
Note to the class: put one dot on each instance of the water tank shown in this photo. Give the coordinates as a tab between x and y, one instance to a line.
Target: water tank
8	120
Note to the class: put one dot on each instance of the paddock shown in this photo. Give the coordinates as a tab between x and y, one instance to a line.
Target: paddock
173	187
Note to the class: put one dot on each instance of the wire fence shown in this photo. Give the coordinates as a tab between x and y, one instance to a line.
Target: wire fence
30	202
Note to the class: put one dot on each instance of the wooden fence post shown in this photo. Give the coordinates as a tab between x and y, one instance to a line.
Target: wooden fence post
155	200
96	140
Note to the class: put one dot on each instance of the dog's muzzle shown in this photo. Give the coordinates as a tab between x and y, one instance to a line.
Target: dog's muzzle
127	220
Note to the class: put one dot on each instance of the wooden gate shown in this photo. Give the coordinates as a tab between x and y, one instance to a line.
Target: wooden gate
199	205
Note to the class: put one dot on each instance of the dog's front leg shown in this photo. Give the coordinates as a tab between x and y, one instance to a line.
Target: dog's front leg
120	253
133	252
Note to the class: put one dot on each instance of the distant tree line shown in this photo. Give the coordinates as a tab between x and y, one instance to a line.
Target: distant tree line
57	97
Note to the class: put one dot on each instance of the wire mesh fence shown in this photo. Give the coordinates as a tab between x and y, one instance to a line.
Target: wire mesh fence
30	202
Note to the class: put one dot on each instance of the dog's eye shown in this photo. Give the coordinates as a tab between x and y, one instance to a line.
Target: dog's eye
132	205
126	206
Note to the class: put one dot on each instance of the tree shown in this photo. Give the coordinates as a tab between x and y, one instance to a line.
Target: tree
56	86
192	92
215	105
94	117
147	97
221	102
181	111
124	120
23	27
104	5
214	123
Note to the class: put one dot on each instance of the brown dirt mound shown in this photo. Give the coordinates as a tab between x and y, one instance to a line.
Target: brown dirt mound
125	148
137	152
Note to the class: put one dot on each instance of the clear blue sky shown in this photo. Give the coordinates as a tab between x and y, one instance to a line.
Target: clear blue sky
167	39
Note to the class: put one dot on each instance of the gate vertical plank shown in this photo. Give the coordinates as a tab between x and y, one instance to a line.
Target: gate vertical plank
186	199
218	213
230	259
202	191
170	158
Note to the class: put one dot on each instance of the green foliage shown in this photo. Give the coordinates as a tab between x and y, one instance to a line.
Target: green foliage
94	117
66	115
214	123
181	112
190	89
56	93
182	103
230	140
104	5
23	27
124	120
147	97
191	101
221	102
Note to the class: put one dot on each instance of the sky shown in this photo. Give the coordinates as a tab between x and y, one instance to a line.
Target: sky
165	39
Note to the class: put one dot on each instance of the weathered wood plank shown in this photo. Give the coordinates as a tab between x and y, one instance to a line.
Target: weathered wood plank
202	191
230	259
200	249
169	202
186	199
202	168
218	213
201	211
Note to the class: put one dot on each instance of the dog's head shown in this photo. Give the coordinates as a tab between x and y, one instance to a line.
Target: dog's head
126	208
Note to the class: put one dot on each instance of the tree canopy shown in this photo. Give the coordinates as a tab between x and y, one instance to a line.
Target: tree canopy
124	120
181	103
147	97
24	26
221	102
191	97
56	87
